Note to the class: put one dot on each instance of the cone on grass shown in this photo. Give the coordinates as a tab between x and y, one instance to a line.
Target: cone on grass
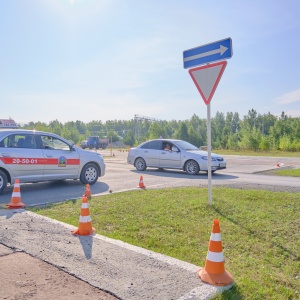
15	201
87	191
85	222
214	271
141	183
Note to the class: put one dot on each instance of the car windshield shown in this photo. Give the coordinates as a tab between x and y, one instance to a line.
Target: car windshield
185	145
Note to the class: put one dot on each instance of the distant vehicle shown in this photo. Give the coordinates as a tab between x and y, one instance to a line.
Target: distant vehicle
97	143
83	144
182	155
33	156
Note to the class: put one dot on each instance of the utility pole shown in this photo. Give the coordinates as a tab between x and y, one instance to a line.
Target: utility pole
137	120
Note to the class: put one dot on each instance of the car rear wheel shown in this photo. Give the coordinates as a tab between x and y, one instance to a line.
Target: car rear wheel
89	174
140	164
192	167
3	181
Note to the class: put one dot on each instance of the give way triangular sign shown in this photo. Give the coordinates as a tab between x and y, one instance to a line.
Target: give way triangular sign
206	79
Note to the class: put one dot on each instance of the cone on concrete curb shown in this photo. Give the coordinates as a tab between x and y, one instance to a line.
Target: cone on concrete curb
141	183
87	191
15	201
85	222
214	271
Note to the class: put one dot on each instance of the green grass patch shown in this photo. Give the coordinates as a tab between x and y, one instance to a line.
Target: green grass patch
260	231
271	153
288	172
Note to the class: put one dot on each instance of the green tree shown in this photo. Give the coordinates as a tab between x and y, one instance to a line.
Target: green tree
129	138
156	130
182	133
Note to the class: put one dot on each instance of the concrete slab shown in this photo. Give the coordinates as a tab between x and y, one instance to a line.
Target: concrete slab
126	271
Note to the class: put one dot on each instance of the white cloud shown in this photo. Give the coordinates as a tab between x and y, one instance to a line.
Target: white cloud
291	97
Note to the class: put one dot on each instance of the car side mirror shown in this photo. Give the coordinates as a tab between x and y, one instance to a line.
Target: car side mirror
175	149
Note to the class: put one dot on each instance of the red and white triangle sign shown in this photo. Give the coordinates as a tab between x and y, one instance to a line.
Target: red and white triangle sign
206	79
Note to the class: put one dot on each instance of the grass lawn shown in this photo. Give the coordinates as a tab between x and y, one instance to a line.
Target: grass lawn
289	172
260	231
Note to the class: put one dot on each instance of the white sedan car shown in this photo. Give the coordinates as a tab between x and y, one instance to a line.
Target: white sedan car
173	154
34	156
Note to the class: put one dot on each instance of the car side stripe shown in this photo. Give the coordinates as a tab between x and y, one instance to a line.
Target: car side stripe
36	161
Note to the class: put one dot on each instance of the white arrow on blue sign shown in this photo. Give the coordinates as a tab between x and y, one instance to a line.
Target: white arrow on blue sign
207	53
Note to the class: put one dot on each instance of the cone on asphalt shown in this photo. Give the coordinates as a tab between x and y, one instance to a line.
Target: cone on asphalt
214	271
85	222
87	192
15	201
141	183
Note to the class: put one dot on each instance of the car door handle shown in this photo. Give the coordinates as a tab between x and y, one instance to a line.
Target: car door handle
48	155
6	154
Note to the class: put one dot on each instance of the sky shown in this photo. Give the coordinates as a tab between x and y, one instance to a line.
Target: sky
88	60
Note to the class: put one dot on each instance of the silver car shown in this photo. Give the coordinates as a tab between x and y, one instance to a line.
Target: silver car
34	156
173	154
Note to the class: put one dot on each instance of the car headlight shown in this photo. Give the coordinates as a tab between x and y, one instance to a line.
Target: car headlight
206	158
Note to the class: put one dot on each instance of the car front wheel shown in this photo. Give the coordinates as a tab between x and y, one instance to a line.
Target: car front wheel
3	181
140	164
89	174
192	167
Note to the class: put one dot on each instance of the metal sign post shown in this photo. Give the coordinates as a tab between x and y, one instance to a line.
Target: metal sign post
206	79
209	155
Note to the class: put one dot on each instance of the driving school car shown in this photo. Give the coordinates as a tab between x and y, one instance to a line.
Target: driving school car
34	156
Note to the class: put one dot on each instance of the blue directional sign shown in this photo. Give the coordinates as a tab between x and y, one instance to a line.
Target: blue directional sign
207	53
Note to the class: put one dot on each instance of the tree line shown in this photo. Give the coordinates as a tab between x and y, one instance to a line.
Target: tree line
254	131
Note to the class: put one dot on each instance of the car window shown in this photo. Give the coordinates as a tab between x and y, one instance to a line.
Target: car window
167	145
19	141
155	145
185	145
50	142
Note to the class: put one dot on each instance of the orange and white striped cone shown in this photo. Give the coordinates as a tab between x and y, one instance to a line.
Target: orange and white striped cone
85	222
15	201
141	183
214	271
87	192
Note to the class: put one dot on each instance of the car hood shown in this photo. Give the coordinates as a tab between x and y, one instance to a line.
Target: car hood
202	153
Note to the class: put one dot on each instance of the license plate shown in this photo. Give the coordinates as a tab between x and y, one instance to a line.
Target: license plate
222	165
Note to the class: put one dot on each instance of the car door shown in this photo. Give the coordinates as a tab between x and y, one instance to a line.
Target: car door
150	153
21	157
61	161
169	159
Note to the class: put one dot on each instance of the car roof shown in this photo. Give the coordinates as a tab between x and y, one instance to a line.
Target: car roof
20	131
165	140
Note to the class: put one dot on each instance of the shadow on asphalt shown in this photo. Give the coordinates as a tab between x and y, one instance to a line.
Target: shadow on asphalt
180	174
51	192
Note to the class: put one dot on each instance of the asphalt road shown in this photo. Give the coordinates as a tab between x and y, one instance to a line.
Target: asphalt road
241	172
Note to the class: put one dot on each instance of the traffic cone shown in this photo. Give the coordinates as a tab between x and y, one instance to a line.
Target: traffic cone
15	201
141	183
87	192
214	271
85	222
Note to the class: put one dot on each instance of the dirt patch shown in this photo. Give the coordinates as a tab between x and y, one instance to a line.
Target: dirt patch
24	277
